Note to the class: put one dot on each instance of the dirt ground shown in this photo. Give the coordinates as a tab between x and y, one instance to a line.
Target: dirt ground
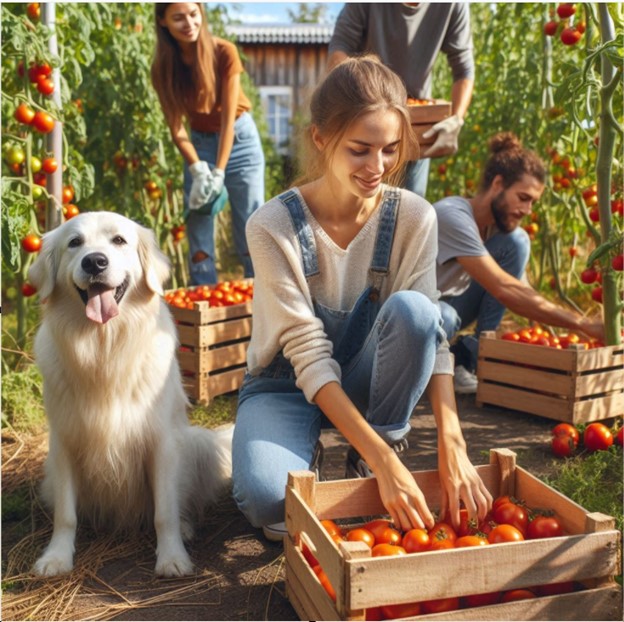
240	576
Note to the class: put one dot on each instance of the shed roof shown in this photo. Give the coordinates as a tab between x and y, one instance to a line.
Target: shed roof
308	34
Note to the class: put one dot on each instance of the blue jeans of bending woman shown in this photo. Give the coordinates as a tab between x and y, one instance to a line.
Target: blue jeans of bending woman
511	252
277	428
244	180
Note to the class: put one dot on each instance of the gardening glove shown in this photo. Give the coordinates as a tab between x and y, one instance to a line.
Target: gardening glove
200	188
446	141
216	184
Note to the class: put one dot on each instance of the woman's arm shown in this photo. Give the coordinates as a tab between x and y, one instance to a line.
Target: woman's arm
230	89
399	493
458	477
183	142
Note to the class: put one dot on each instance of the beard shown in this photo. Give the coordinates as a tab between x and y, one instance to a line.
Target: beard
499	208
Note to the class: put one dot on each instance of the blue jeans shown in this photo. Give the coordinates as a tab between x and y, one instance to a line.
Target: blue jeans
511	252
277	428
416	176
244	180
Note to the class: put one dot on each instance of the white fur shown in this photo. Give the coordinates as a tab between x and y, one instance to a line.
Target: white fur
121	450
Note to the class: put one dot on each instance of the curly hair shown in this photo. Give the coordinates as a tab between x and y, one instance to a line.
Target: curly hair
511	161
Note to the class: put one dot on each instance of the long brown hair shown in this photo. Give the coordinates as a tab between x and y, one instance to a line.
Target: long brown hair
511	161
183	88
353	88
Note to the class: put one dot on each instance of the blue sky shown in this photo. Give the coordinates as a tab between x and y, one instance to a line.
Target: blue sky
272	12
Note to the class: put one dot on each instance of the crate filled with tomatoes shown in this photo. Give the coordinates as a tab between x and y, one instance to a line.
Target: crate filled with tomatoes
424	113
214	329
560	377
536	556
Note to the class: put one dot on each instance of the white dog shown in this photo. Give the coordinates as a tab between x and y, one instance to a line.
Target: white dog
121	450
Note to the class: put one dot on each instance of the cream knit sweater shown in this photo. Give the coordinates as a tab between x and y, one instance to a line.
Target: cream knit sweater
283	313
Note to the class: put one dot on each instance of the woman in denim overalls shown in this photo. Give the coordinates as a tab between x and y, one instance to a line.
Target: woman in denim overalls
197	77
347	330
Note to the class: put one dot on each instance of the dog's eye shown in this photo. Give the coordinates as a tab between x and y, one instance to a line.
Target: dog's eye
119	240
75	242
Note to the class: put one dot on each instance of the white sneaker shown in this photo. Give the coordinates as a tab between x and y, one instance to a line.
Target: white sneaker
465	381
275	532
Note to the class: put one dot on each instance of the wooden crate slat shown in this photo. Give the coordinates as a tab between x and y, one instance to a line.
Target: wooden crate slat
599	382
601	358
597	604
527	354
213	334
429	113
525	401
203	313
599	408
419	129
538	380
225	382
226	356
481	569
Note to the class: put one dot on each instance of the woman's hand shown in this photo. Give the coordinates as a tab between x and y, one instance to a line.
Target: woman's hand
400	495
460	482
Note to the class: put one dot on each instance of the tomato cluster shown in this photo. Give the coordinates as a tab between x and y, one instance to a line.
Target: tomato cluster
536	335
413	101
569	33
223	294
509	520
566	438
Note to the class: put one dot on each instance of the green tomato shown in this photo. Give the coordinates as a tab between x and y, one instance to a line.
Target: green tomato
37	191
15	155
35	164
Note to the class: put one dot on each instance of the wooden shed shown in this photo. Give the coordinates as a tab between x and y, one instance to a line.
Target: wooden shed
285	62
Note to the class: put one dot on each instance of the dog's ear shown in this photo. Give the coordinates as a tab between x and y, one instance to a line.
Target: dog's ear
42	273
155	264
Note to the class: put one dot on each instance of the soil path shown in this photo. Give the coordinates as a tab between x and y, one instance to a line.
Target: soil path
240	575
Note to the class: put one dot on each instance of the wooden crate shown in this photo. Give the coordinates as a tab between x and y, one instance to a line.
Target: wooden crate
572	385
589	555
213	348
423	117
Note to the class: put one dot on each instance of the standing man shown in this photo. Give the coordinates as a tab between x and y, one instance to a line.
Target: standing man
482	255
408	37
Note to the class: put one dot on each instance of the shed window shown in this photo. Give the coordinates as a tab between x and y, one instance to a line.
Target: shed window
277	103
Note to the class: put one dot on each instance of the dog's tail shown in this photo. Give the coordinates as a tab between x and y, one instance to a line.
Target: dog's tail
208	465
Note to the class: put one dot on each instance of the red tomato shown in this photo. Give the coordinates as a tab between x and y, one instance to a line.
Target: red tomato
442	531
28	290
481	600
566	429
45	86
566	9
441	545
361	535
373	614
570	35
617	263
439	605
466	541
377	526
618	438
388	536
331	528
43	122
383	550
24	114
308	555
33	10
416	540
550	28
31	243
589	276
68	194
70	210
597	437
517	595
562	446
49	165
505	533
327	586
596	294
511	514
406	610
510	336
544	527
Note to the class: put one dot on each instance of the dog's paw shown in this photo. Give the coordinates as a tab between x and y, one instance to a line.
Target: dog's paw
174	565
52	564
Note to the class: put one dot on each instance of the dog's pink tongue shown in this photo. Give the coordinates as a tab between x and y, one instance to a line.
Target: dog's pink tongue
101	305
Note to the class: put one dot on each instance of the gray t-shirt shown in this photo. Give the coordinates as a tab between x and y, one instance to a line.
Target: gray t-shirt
408	39
458	236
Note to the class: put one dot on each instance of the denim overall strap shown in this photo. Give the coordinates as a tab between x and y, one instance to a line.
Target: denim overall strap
385	237
304	232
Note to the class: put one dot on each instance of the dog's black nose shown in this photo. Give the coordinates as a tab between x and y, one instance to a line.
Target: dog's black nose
94	263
